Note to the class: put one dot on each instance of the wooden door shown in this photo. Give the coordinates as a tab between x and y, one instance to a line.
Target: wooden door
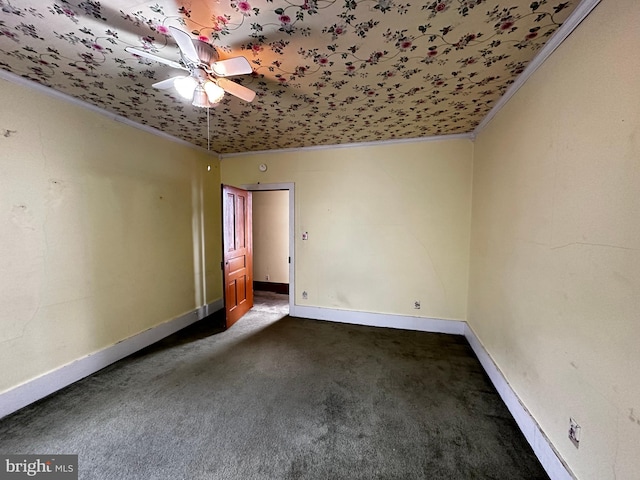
237	253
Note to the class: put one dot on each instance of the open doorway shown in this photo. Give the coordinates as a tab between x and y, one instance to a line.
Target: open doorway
273	258
271	241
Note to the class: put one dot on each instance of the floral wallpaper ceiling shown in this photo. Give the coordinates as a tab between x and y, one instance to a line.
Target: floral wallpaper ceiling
325	72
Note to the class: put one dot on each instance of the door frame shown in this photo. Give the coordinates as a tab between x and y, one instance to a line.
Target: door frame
292	229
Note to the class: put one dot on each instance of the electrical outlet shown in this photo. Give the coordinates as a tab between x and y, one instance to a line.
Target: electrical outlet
267	278
304	295
574	432
416	305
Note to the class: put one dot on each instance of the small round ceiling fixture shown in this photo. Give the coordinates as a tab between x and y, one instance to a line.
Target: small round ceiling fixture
263	167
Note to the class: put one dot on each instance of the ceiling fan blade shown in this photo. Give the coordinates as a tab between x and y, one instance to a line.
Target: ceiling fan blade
185	44
151	56
236	89
164	84
231	66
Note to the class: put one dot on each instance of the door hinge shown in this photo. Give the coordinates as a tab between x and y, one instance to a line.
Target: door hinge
221	265
289	259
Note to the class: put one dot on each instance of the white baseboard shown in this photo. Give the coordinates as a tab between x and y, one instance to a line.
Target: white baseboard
541	445
22	395
402	322
38	388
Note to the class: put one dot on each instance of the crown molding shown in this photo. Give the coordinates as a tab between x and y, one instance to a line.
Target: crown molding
435	138
571	23
26	82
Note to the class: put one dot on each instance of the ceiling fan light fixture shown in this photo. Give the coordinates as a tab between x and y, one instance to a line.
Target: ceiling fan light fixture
185	86
214	92
200	98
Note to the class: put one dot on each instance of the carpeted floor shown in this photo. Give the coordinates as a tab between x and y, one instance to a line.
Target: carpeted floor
276	397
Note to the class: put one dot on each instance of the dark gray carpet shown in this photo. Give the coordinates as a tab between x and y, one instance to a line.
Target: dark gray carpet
283	398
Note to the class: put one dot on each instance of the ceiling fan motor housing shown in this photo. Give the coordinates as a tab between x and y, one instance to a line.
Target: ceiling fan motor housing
206	52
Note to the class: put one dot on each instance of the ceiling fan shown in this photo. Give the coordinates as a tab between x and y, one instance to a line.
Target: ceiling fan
206	83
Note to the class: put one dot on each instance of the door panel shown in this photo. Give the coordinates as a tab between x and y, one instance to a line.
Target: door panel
237	263
238	255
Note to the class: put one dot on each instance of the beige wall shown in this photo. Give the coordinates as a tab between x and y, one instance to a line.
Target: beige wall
100	232
387	225
271	236
555	257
